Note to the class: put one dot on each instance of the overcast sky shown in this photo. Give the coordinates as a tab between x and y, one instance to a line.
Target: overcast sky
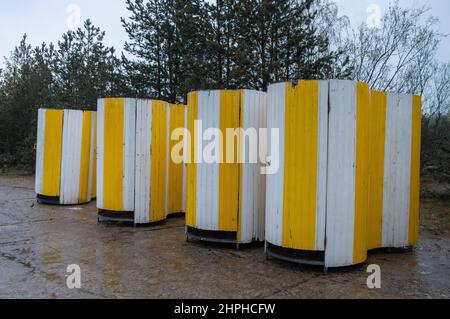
47	20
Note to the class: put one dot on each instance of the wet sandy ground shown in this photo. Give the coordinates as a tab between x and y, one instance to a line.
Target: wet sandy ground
37	243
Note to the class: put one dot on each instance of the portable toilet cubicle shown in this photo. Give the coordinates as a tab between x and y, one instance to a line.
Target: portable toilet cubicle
347	183
65	156
132	153
176	168
394	196
317	201
225	197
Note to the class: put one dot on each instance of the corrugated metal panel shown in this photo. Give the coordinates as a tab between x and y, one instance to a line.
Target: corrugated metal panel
301	154
113	147
377	127
71	155
207	198
414	207
129	150
362	173
135	157
260	221
93	158
186	145
302	114
51	180
40	151
253	182
100	151
175	171
191	159
143	160
276	116
229	173
159	147
341	174
86	155
168	197
229	197
395	171
64	155
368	170
322	163
116	158
397	176
314	199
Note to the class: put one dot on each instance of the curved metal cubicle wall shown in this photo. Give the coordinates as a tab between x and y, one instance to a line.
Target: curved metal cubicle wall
348	179
346	184
295	201
176	172
132	153
225	201
394	196
65	157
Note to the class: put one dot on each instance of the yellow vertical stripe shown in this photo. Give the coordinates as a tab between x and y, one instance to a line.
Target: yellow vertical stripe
191	171
175	200
415	170
85	157
362	174
52	153
301	156
113	154
94	168
377	141
229	172
158	163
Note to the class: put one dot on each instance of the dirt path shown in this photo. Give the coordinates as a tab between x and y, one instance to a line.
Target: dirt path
37	243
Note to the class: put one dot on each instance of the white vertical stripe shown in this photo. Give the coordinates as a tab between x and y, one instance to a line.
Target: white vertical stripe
71	156
100	150
143	161
247	208
341	174
253	195
40	150
129	154
322	163
207	203
275	182
396	197
184	164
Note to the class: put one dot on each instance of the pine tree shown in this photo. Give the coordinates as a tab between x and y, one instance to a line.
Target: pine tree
26	86
147	71
180	45
85	69
167	47
73	75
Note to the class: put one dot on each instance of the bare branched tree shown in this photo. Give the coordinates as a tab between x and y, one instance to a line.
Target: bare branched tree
337	29
436	125
388	58
400	56
439	94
